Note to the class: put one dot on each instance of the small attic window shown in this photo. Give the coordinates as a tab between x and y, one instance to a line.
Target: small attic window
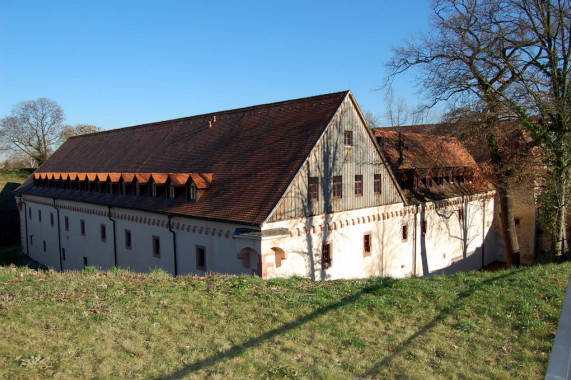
191	192
171	191
377	184
348	138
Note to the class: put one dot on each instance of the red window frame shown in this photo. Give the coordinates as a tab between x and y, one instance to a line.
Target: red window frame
326	258
377	184
337	187
358	185
313	189
367	245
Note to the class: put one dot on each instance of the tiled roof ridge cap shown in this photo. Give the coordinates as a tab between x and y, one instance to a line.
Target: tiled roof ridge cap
427	135
299	103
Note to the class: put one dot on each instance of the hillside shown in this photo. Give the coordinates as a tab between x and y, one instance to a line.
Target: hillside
120	324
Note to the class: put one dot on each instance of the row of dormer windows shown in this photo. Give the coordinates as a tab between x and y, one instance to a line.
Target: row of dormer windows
150	189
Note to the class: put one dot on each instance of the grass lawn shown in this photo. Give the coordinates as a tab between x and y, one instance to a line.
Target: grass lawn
119	324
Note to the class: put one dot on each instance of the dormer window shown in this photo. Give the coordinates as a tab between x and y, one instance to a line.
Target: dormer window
429	180
191	192
171	191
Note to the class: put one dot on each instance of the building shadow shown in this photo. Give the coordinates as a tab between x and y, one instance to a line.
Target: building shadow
9	216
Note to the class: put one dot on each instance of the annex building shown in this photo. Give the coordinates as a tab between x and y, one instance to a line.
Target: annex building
301	187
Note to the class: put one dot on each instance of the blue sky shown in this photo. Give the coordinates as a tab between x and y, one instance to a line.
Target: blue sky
120	63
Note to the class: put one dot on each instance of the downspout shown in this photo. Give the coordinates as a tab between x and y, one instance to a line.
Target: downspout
58	236
173	244
114	237
483	231
414	242
26	224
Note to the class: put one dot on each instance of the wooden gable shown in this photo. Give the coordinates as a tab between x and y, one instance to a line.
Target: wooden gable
331	157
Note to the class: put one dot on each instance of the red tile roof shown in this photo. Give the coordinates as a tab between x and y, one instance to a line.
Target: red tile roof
253	154
406	150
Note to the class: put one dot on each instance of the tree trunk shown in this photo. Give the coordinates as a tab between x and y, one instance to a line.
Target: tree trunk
508	224
559	243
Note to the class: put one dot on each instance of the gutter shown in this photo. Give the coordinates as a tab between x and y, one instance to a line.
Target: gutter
58	236
114	237
173	244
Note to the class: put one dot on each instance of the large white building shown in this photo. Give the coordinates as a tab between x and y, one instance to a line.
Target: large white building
300	187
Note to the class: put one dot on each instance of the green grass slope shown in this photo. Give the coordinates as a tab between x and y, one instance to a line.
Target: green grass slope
124	325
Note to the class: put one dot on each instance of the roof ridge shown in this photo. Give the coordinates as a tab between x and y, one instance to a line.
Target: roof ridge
220	115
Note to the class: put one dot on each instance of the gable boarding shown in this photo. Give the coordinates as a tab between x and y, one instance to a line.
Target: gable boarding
344	156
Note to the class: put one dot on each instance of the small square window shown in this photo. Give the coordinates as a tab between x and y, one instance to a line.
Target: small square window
103	232
405	232
377	184
313	189
66	223
52	219
40	216
348	138
200	258
337	187
367	245
358	185
82	227
156	246
30	213
128	239
516	221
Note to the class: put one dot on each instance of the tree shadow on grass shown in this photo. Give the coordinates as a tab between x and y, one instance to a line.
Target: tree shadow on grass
445	312
239	349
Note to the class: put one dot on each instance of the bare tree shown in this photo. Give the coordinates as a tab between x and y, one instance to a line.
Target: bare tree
33	128
465	60
79	129
373	121
544	104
